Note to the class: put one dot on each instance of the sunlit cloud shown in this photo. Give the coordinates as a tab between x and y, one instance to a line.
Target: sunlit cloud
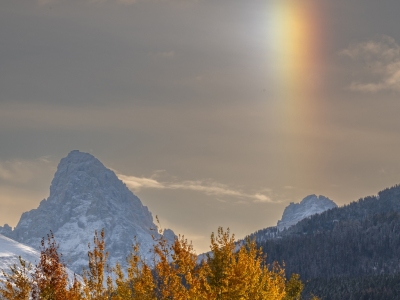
262	198
378	64
139	183
207	187
289	187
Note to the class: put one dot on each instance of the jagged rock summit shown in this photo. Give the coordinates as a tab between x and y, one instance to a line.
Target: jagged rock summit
310	205
86	196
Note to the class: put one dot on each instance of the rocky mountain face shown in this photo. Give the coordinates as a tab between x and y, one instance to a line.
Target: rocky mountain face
309	206
86	196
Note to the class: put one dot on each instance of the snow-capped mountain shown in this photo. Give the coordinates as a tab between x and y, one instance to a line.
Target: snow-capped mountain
11	250
86	196
309	206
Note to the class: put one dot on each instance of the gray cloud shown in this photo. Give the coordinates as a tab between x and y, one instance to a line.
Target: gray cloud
126	2
378	64
165	54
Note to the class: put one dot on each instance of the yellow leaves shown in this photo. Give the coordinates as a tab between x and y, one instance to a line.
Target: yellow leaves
230	272
94	277
139	283
294	287
241	274
50	276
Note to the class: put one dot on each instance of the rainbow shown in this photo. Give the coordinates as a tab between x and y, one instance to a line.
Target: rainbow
295	38
295	42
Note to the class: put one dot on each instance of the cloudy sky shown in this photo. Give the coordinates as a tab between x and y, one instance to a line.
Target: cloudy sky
214	112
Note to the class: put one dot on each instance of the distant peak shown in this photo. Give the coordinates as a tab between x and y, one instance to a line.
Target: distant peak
315	198
310	205
310	197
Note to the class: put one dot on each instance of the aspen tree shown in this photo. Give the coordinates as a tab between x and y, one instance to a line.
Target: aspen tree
139	283
231	271
50	278
94	277
16	284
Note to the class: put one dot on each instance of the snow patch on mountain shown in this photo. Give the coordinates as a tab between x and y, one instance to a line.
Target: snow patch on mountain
10	251
310	205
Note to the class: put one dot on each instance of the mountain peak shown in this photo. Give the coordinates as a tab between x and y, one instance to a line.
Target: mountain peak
79	154
75	168
310	205
81	159
84	197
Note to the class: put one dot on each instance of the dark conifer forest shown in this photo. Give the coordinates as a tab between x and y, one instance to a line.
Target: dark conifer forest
350	252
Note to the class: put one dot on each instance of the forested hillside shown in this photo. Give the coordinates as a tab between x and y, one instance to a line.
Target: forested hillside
351	250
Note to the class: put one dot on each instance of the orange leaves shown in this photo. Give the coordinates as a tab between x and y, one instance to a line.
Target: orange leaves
94	277
231	271
17	283
50	277
48	280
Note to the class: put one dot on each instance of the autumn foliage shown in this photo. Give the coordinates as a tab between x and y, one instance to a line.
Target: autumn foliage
230	271
48	280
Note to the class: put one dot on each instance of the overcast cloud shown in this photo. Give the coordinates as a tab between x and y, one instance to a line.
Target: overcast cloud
192	88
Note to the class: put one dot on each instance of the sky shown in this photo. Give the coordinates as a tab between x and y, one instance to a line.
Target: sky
214	113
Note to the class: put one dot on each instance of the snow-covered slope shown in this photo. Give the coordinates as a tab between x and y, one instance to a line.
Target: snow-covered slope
309	206
86	196
11	250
